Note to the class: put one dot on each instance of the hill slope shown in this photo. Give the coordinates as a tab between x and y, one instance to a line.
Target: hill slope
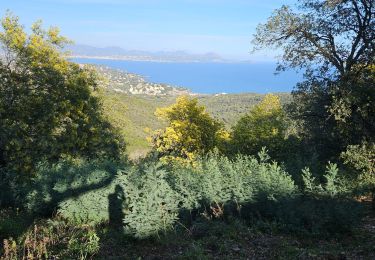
130	103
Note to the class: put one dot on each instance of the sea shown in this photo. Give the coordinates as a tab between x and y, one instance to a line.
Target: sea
209	78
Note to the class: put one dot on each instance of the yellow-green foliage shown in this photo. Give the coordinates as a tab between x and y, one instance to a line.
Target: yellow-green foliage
47	106
191	131
263	126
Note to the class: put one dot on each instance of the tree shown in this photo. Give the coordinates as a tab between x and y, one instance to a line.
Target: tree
334	42
330	34
263	126
48	106
190	132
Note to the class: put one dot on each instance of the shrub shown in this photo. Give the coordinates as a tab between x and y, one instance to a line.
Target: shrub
316	216
150	205
320	209
94	192
218	182
360	157
77	190
148	199
323	208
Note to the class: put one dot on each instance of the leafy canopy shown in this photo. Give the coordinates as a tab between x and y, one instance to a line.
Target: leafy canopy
263	126
48	106
334	43
191	131
322	35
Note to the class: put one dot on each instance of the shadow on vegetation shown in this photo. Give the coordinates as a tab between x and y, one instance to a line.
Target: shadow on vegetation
53	185
115	208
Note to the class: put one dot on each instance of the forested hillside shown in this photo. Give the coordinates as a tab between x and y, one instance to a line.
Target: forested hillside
130	103
134	114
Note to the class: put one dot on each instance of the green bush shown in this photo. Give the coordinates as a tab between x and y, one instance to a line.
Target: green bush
150	205
94	192
322	208
317	216
150	198
76	189
220	182
264	125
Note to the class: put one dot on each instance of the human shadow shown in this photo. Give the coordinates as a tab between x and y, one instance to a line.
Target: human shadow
70	181
115	208
57	184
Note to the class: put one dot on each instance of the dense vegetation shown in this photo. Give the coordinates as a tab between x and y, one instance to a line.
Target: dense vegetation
134	115
289	170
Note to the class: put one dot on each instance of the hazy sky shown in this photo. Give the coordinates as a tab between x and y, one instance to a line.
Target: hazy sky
221	26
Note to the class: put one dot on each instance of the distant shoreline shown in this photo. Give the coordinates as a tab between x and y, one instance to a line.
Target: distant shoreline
150	59
204	77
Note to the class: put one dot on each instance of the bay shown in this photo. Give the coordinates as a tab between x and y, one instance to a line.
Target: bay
209	77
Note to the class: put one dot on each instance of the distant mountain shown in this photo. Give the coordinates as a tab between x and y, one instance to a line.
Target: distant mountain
86	51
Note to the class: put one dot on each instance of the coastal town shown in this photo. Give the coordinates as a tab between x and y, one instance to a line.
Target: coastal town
129	83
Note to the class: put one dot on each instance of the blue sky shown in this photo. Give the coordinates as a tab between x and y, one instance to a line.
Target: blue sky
221	26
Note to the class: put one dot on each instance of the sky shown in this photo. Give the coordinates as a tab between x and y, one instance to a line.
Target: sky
224	27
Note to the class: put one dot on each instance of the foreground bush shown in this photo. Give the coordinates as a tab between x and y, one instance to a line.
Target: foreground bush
320	209
139	199
86	183
150	204
218	179
150	199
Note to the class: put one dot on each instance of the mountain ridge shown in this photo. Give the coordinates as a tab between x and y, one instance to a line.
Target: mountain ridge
118	53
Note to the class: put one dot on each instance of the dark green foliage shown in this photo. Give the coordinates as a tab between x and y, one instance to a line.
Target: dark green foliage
148	200
361	162
333	114
309	215
353	105
7	188
317	210
13	223
77	189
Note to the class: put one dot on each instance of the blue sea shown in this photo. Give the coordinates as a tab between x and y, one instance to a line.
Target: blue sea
209	77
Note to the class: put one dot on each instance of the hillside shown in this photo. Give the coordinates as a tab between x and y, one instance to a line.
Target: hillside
130	102
129	83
